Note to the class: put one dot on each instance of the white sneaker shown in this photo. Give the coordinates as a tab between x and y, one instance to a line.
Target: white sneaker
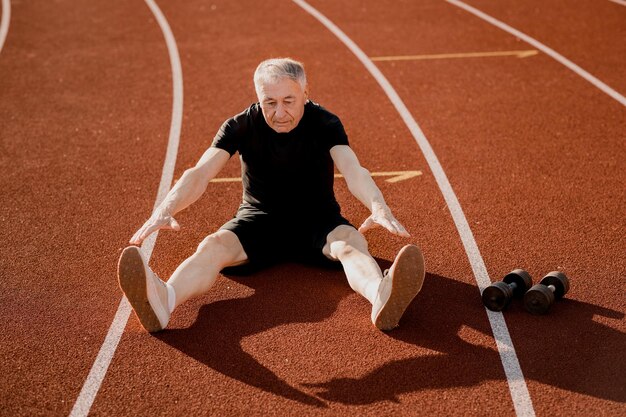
398	288
140	285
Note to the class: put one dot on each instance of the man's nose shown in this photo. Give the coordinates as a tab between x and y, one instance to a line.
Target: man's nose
280	111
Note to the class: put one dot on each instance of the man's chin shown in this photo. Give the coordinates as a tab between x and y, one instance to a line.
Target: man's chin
282	128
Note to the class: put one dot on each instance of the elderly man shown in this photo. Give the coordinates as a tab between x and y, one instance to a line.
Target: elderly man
288	147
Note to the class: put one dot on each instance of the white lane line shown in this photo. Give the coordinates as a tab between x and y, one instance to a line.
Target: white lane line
517	385
4	23
620	2
107	350
543	48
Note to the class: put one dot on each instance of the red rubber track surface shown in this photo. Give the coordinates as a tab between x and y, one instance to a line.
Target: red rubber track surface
534	153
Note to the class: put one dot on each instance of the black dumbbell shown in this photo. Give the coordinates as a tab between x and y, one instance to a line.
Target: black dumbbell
541	296
514	284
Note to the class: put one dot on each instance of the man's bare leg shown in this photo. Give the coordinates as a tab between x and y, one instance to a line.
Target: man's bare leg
197	274
390	294
153	300
348	246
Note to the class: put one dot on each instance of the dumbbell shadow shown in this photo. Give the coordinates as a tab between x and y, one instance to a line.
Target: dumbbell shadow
589	343
583	367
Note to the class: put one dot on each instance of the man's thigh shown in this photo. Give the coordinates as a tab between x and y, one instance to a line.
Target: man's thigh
222	248
253	229
268	239
342	238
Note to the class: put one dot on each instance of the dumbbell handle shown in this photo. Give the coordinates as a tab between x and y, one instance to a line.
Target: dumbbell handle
551	287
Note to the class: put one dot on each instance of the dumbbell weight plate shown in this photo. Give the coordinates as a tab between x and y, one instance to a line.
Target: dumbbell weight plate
560	282
521	278
496	296
538	299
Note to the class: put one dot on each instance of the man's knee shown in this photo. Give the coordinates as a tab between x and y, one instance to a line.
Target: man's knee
343	241
222	246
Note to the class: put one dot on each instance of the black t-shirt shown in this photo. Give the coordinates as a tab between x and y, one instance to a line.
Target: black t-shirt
285	173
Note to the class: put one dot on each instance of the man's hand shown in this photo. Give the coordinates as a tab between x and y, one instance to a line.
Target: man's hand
160	219
381	216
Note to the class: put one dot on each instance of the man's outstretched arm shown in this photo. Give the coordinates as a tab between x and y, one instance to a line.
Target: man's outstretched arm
363	187
191	185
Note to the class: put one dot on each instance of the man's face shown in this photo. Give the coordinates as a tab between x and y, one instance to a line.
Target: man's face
282	103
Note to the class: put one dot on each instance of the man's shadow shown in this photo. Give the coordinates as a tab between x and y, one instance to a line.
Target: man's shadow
283	294
566	348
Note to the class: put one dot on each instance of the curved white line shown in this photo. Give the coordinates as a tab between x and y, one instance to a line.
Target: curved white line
620	2
517	384
543	48
4	23
107	350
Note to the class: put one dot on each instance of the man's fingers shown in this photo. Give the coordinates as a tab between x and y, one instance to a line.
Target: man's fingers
403	233
397	229
136	239
384	222
174	224
400	229
152	226
392	225
143	233
367	225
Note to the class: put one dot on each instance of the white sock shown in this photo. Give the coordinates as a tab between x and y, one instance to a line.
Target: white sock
171	297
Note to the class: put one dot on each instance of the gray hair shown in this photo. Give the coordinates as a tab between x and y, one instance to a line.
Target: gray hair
275	69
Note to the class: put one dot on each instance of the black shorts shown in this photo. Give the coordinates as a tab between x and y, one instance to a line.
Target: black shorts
270	238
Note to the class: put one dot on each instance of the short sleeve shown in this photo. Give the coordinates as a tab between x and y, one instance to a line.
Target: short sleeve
228	137
328	125
336	134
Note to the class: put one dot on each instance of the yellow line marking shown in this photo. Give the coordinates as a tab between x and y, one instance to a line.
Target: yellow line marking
519	54
234	179
396	176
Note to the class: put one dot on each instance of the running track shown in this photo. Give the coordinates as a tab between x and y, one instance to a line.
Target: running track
533	152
